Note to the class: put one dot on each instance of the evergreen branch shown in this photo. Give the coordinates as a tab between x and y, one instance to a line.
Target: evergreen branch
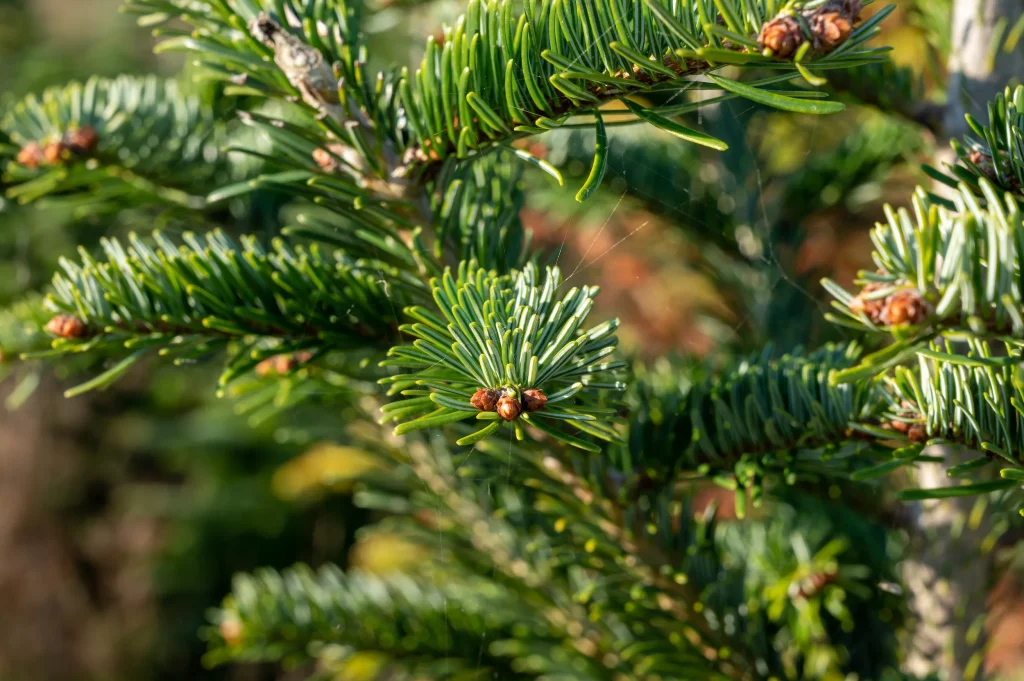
311	54
273	616
548	533
939	271
476	217
974	400
503	349
674	578
497	76
996	154
477	214
574	554
109	143
761	421
757	417
192	299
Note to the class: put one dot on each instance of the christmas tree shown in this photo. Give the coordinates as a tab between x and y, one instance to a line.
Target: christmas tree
346	239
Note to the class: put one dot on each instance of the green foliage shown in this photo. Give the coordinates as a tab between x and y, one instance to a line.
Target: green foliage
211	294
813	571
496	77
762	421
506	333
940	271
972	401
729	572
997	153
329	613
562	575
558	564
494	73
154	144
783	405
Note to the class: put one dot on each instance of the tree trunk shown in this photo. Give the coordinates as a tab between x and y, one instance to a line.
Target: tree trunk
948	577
971	82
948	573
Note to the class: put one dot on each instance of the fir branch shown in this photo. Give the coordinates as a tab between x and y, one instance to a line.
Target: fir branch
584	533
996	154
770	418
939	271
974	401
497	76
505	348
548	532
192	299
108	143
756	423
273	616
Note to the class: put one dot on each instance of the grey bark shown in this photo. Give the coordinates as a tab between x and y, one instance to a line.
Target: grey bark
947	573
971	83
948	576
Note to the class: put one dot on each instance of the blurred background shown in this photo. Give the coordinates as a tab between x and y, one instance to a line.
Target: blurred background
124	513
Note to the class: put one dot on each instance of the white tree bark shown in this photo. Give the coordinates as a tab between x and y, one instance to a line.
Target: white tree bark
971	82
947	573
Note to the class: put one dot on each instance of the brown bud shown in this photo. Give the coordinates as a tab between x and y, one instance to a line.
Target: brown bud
829	25
267	367
905	307
782	35
82	140
54	153
830	30
67	326
279	365
325	160
978	157
485	400
508	408
816	582
900	426
231	631
917	433
871	307
534	399
31	155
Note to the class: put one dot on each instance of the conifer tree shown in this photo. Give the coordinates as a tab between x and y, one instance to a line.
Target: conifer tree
548	476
